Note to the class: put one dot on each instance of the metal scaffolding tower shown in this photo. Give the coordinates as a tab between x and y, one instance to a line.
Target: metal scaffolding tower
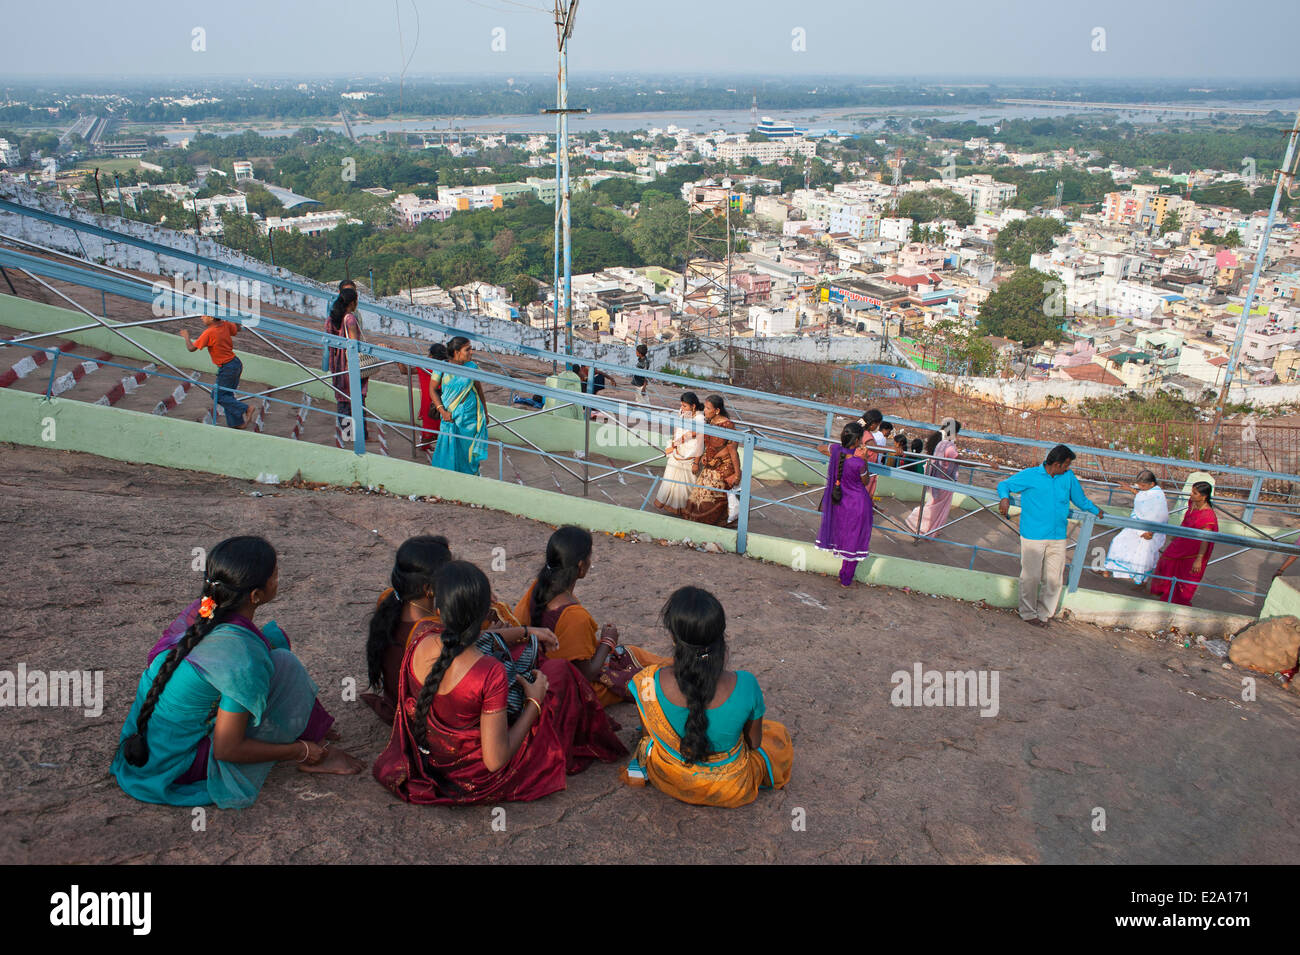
709	247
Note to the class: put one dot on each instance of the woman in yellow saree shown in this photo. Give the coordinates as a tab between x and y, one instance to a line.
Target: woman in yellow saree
705	739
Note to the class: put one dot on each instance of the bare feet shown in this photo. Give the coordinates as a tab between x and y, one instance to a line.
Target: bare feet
335	761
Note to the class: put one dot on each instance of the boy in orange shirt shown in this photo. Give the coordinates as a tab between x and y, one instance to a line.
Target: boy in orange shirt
216	339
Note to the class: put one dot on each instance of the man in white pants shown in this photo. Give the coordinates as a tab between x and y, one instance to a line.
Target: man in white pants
1046	493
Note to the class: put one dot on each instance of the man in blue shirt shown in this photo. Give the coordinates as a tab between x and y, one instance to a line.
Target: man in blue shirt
1046	493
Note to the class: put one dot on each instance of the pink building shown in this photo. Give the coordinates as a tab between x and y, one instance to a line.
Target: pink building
758	287
642	323
1080	353
917	257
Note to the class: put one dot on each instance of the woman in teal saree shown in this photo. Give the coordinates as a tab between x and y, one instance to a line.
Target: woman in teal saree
214	713
462	440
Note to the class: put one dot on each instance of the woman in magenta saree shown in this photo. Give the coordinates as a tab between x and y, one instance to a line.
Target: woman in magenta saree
1184	558
455	746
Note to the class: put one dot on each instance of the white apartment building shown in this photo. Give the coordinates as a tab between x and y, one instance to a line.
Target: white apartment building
765	153
858	220
213	207
470	197
10	154
767	322
312	223
985	194
896	229
413	210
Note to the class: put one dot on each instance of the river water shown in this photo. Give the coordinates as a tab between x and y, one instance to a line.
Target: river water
845	120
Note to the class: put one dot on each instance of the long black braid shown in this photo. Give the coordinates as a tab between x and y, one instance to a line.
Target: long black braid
698	625
464	599
850	438
418	562
568	547
235	568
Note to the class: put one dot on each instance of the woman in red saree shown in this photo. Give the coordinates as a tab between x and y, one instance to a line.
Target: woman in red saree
452	742
1184	558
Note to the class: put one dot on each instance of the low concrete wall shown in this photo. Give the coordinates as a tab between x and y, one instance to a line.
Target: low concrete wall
1139	613
1037	393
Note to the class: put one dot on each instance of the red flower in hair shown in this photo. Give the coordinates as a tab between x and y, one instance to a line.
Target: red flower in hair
206	606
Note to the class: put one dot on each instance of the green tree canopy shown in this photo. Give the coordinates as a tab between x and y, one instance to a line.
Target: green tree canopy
1017	310
930	204
1023	237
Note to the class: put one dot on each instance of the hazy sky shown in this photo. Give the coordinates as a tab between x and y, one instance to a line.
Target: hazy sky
1208	39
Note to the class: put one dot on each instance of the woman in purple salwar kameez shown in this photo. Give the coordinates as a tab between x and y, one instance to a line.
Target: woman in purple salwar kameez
846	523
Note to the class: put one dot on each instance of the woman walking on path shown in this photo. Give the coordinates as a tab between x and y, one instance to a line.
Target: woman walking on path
462	441
935	503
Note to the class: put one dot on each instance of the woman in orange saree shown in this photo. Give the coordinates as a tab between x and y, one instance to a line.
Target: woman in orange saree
549	602
706	741
452	742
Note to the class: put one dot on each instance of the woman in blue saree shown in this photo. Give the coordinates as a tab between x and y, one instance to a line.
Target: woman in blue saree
214	713
462	439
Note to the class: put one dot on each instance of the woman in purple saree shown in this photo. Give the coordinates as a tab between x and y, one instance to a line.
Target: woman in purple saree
846	506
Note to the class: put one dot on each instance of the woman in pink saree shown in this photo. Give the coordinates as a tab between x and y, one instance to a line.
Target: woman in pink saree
935	504
1185	559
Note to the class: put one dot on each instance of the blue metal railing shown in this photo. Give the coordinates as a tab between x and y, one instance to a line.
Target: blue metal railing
830	411
136	290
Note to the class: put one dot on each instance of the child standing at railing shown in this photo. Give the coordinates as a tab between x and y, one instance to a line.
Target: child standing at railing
216	338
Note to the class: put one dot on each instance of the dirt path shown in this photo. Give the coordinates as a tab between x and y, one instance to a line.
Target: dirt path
98	559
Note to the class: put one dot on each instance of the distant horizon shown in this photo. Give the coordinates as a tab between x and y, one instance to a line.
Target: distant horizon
1214	83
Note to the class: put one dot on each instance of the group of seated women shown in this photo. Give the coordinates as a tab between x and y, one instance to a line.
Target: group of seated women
487	703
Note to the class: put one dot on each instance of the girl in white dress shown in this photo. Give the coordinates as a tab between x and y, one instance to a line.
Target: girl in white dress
1133	553
687	445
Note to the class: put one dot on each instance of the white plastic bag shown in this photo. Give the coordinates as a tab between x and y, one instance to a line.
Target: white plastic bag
733	507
